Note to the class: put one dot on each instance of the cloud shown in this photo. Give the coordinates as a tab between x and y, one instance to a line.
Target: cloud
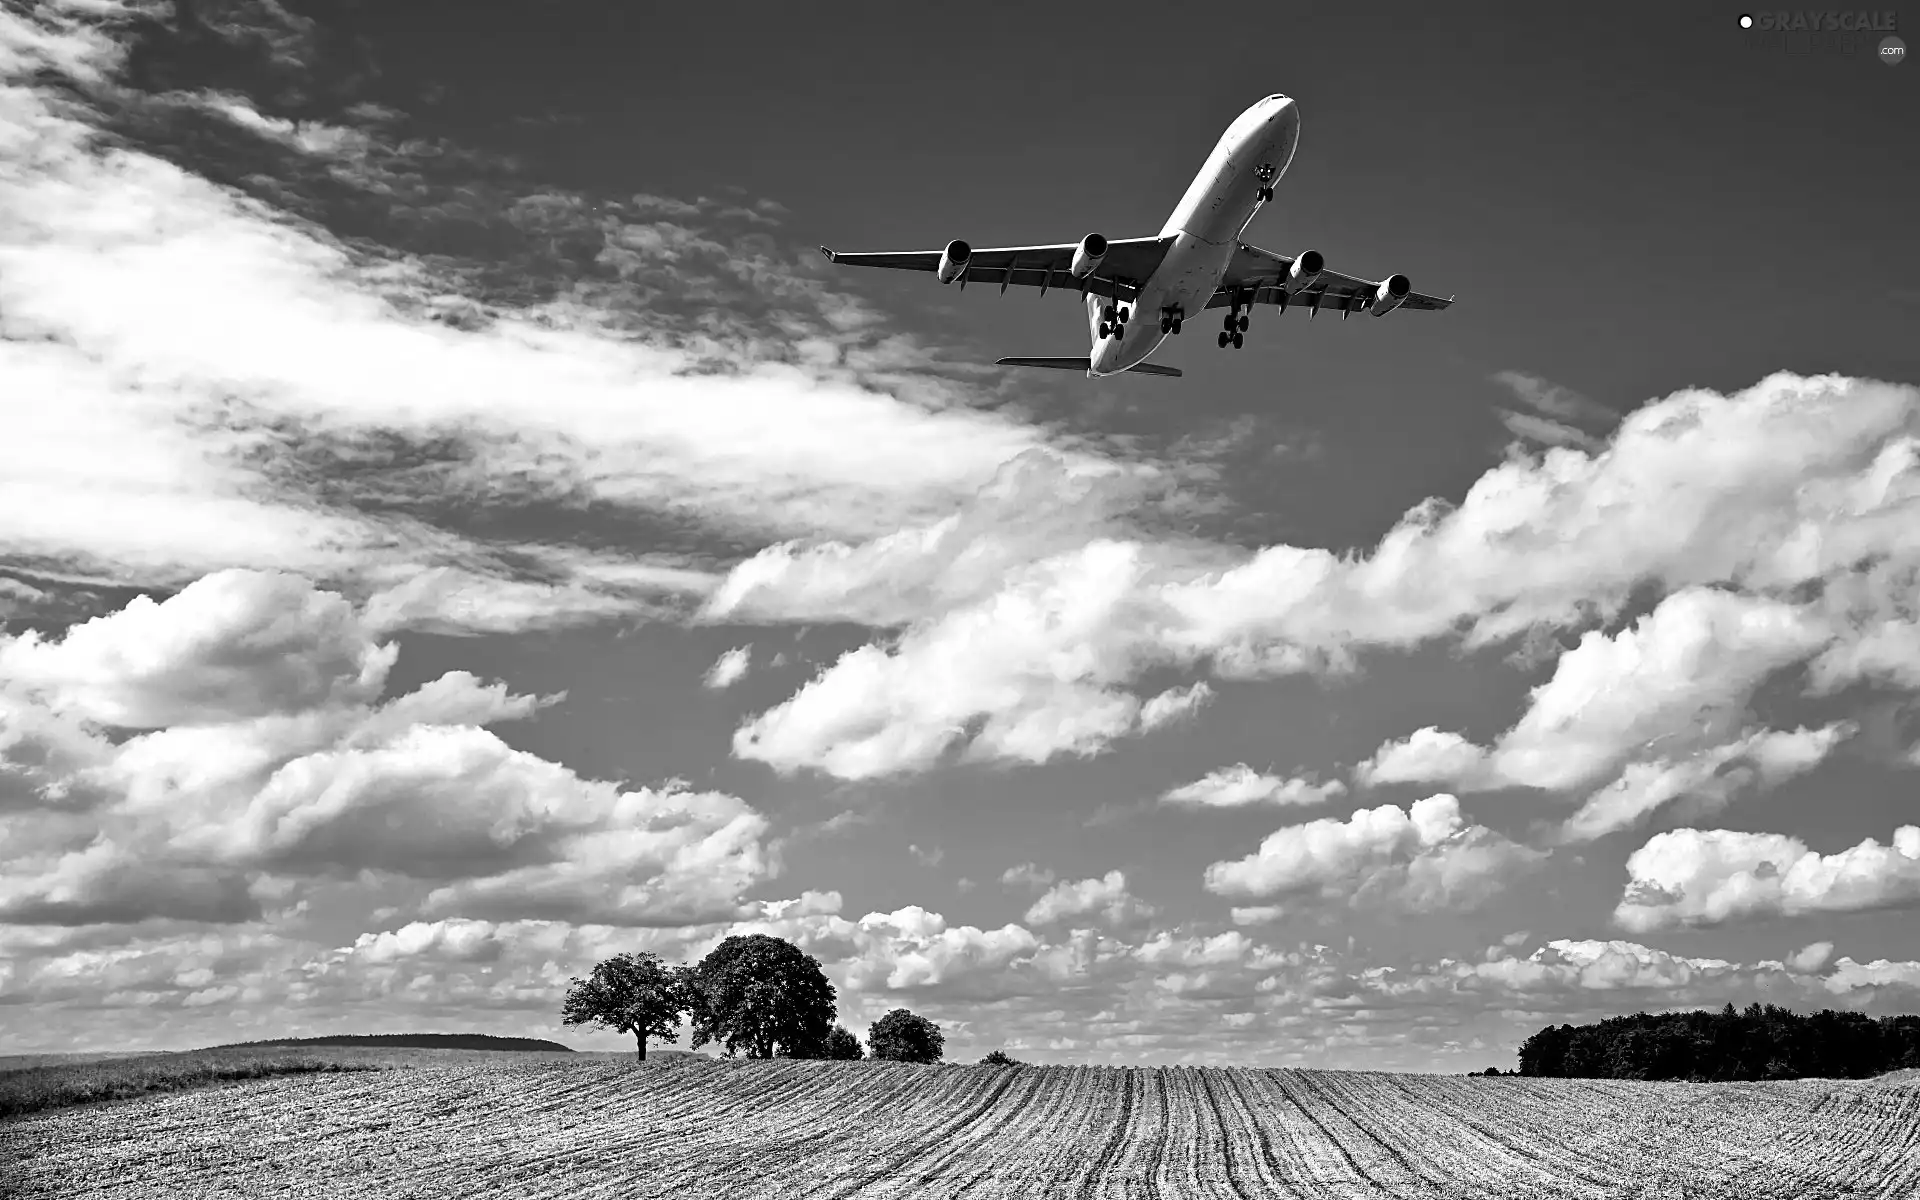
1705	783
1694	877
1240	786
1808	480
932	857
1027	875
1660	708
228	647
1553	400
1106	896
1175	705
219	354
1420	858
255	760
729	668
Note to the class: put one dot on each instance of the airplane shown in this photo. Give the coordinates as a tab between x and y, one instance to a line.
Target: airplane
1197	262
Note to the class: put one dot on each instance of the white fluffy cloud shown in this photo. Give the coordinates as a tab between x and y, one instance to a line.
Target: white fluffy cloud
1730	502
1419	858
229	647
1660	709
1239	786
1106	896
259	755
1712	876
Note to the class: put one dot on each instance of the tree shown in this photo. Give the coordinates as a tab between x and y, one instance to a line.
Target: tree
903	1037
760	994
631	993
843	1045
1000	1058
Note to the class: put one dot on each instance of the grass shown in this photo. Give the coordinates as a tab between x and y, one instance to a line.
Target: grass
63	1085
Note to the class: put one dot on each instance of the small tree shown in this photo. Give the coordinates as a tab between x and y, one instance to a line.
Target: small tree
631	993
902	1036
1000	1058
842	1044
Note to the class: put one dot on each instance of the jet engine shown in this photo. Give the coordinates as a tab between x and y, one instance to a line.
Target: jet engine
1392	291
953	261
1305	270
1087	255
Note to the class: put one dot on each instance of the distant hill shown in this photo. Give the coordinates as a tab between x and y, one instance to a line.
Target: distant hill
411	1041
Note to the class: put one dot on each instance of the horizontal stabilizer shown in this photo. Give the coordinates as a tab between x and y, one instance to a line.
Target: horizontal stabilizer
1081	364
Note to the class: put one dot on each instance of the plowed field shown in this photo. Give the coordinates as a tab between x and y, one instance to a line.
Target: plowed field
509	1126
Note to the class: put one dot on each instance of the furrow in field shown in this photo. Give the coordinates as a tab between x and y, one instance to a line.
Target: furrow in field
1558	1144
1102	1162
1277	1174
1217	1141
1052	1146
1446	1126
973	1156
1325	1159
894	1172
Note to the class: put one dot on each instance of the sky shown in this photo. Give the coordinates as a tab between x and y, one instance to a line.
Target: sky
454	527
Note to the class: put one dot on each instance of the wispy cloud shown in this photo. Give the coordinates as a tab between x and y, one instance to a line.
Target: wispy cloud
729	668
207	347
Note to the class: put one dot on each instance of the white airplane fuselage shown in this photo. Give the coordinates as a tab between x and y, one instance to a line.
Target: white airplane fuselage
1206	227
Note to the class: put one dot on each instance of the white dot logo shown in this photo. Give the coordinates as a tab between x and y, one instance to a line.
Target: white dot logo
1746	22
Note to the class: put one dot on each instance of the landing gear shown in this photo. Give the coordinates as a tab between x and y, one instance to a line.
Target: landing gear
1105	330
1170	320
1265	194
1235	327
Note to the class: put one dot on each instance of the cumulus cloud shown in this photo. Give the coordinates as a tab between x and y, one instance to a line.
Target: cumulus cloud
729	668
1419	858
1690	877
253	750
1808	483
1106	897
1239	786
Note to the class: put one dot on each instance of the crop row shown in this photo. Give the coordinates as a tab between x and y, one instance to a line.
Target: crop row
861	1131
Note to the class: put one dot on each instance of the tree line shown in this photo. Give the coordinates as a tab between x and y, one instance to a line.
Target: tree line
1767	1042
753	994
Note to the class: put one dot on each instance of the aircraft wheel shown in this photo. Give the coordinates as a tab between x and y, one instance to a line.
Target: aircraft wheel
1231	324
1105	329
1176	325
1238	341
1166	324
1107	314
1223	340
1243	324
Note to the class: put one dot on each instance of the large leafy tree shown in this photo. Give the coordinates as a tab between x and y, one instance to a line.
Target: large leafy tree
762	995
903	1036
631	993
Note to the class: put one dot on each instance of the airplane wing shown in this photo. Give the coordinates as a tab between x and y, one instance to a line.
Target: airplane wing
1121	273
1260	277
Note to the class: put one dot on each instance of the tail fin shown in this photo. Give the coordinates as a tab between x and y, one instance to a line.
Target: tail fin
1082	364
